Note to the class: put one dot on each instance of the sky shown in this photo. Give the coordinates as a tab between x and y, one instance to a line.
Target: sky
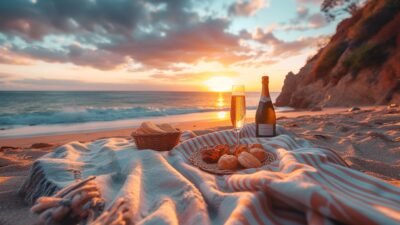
167	45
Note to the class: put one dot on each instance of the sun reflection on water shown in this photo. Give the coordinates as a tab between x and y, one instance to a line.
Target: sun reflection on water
222	115
221	105
220	102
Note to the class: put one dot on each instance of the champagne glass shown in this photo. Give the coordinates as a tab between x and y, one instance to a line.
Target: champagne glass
238	109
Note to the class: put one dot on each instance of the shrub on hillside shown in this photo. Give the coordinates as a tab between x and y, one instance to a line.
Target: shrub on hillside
366	56
389	31
329	59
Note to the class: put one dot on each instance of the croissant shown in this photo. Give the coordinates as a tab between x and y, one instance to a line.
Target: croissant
210	155
222	149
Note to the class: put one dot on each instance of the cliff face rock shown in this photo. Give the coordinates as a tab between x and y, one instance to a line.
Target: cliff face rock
359	66
288	85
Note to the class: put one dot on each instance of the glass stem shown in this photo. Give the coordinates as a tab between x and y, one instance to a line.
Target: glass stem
237	136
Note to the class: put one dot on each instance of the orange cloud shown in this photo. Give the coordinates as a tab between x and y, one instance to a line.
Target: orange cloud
193	77
8	57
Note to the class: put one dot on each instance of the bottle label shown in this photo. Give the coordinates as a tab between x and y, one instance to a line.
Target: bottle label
265	129
265	99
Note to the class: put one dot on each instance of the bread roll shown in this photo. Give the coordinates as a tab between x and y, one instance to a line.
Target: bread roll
240	148
259	153
247	160
228	162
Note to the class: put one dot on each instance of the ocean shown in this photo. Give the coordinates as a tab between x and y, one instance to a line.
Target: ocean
40	108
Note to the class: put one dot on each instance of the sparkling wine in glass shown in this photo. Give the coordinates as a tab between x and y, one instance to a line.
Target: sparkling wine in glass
238	109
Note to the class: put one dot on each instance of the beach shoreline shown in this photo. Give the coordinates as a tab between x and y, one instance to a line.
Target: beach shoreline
199	122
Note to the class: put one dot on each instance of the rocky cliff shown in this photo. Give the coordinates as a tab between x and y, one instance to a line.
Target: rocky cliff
359	66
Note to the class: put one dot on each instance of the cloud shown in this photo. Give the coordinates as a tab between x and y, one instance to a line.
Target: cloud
107	35
9	57
5	76
302	12
304	20
200	41
69	84
317	20
296	47
34	20
99	58
6	79
282	48
154	34
247	7
265	37
317	2
192	77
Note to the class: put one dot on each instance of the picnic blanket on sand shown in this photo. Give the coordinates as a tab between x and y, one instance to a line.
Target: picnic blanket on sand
304	185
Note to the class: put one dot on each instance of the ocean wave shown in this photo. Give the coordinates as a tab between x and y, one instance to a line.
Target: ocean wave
92	114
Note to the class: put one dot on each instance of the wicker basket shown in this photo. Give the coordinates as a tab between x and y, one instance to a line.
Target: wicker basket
158	142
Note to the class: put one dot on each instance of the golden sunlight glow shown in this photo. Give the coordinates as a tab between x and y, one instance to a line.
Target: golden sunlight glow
220	104
219	84
220	101
222	115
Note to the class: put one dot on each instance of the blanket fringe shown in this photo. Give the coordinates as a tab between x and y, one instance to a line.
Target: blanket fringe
36	185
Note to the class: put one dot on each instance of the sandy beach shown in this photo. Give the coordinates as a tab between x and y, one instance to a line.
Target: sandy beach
367	139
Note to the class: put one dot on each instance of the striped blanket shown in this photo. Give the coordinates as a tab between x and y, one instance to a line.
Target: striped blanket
304	185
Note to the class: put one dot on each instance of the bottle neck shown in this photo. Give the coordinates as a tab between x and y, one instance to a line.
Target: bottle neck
265	97
265	90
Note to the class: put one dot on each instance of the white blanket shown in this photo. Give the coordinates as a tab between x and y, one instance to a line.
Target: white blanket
305	185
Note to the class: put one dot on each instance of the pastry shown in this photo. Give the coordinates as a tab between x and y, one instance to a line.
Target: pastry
210	155
247	160
222	149
259	153
227	162
256	145
240	148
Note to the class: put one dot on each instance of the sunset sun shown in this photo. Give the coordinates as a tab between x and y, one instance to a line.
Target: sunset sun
219	84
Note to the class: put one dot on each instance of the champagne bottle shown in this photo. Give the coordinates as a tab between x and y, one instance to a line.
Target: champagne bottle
265	115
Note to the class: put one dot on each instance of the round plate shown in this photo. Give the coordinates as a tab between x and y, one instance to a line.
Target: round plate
195	159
